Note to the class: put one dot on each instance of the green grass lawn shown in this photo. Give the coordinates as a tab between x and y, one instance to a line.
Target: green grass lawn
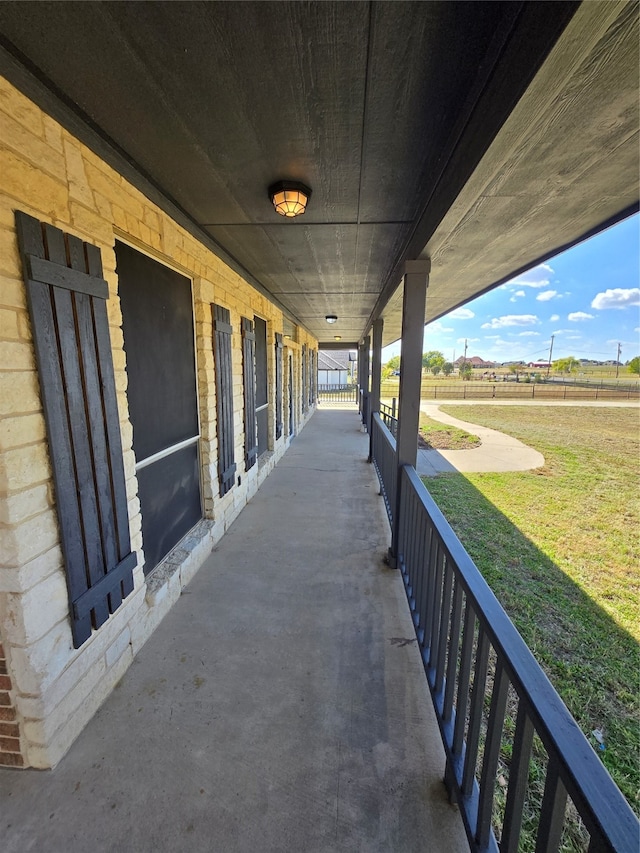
559	546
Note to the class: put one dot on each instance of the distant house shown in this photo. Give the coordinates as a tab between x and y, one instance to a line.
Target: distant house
475	361
539	364
335	367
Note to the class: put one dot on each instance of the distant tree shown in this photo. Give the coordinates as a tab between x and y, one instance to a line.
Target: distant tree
466	370
431	358
634	365
566	365
436	368
392	365
447	368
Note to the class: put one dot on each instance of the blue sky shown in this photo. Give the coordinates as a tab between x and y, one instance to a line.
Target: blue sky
587	297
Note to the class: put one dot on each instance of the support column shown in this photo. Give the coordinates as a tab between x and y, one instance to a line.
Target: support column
376	372
360	375
416	280
366	345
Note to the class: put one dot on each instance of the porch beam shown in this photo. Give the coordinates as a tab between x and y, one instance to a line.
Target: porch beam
416	281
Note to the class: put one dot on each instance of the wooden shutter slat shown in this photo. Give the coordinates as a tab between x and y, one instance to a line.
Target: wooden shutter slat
225	328
113	437
111	425
75	367
101	461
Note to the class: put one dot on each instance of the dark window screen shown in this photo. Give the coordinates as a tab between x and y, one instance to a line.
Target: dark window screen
260	327
157	320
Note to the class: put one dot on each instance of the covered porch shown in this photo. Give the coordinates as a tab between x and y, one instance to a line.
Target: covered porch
280	705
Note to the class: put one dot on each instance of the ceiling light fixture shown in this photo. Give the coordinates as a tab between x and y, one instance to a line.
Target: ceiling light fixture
289	198
337	337
331	319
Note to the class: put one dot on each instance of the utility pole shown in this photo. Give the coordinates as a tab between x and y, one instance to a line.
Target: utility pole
465	350
550	353
618	359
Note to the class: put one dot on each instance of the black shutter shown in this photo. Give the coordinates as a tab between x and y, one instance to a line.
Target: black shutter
278	385
222	332
305	396
249	372
67	303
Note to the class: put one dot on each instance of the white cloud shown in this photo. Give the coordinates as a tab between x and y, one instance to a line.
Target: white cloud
511	320
546	295
562	331
574	337
516	295
579	316
554	318
437	326
535	277
617	297
461	314
528	334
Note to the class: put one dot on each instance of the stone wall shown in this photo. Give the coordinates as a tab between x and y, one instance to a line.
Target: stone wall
48	689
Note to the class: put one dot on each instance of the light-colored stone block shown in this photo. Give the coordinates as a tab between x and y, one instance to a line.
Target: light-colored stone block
30	615
18	507
21	179
118	648
21	430
12	290
13	103
19	392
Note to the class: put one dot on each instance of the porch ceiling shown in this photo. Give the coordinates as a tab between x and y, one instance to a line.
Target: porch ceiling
484	135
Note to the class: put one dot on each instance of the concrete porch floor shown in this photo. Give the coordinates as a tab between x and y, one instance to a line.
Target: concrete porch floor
280	706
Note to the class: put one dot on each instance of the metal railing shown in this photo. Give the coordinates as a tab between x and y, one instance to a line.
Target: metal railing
491	697
477	390
364	407
337	393
388	415
383	456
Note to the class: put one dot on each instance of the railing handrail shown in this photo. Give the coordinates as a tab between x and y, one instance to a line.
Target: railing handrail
597	798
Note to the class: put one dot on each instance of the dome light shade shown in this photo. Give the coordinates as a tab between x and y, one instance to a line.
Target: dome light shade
331	318
290	198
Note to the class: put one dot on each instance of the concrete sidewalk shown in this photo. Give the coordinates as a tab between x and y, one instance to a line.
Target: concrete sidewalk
497	452
280	706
